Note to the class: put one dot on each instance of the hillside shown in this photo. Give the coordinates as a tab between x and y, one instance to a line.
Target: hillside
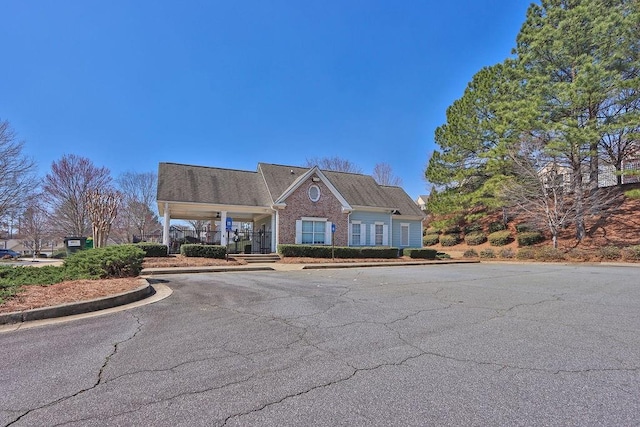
620	229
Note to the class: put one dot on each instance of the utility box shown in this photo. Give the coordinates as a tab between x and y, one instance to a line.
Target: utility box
74	244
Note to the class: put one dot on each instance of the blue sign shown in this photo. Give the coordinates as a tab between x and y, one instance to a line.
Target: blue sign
333	228
229	224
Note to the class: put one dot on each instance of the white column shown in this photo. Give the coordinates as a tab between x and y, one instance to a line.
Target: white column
165	230
223	228
274	232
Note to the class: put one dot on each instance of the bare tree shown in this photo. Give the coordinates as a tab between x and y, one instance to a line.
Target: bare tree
34	225
64	190
334	163
543	192
139	195
102	207
383	174
17	182
199	226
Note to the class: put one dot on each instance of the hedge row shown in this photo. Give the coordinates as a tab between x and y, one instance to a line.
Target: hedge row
203	251
529	238
153	249
420	253
314	251
475	238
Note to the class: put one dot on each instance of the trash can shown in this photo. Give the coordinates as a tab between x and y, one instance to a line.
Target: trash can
247	249
74	244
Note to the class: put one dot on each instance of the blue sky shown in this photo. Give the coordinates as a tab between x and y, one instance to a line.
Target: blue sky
130	84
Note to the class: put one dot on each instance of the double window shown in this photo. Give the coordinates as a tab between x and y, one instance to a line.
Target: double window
313	232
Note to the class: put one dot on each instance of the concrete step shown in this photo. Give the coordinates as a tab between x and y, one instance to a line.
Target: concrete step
257	258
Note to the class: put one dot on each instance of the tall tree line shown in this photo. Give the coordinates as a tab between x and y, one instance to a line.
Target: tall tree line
571	89
75	198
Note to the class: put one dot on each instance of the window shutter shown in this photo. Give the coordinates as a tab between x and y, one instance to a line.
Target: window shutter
350	241
298	232
385	235
372	236
327	233
363	235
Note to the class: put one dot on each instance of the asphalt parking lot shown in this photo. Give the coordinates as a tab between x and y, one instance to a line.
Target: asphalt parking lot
475	344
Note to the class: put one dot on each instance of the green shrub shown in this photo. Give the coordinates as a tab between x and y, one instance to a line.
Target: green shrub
432	230
453	229
101	263
203	251
549	254
497	226
430	239
500	238
420	253
449	239
633	194
475	238
609	252
525	227
487	253
529	238
442	255
631	253
471	228
507	253
526	253
315	251
470	253
153	249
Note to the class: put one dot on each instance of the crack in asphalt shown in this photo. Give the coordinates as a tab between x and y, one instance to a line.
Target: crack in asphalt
97	382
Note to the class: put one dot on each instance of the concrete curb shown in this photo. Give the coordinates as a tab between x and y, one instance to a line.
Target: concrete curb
383	264
189	270
73	308
285	267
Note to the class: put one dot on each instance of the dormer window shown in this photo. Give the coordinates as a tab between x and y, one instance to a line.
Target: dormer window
314	193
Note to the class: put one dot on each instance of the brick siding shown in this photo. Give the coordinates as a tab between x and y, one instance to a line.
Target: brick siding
299	205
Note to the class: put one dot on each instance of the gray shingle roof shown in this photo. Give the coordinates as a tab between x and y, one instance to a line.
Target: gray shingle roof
200	184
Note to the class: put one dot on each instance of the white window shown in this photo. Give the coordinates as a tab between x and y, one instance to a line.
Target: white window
379	236
313	232
356	233
404	234
314	193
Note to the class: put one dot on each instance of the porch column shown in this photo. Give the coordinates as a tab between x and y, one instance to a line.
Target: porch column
223	228
274	232
165	230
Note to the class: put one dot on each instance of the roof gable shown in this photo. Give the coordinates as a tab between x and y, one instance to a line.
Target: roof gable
304	177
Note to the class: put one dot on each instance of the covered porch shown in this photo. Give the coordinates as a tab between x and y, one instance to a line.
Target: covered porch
253	229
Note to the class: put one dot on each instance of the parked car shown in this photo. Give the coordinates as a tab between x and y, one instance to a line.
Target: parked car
8	253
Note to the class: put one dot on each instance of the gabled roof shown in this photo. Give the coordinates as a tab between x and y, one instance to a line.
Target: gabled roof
209	185
200	184
401	201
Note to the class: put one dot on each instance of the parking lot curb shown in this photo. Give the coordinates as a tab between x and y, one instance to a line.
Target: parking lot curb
69	309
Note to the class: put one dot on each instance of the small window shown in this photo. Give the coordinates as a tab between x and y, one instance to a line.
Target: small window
314	193
379	236
404	234
355	234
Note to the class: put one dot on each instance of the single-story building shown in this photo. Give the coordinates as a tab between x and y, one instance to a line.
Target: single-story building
291	205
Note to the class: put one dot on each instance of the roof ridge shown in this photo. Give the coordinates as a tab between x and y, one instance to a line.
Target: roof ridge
208	167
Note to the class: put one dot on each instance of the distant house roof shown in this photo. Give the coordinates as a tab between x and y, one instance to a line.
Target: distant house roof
200	184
